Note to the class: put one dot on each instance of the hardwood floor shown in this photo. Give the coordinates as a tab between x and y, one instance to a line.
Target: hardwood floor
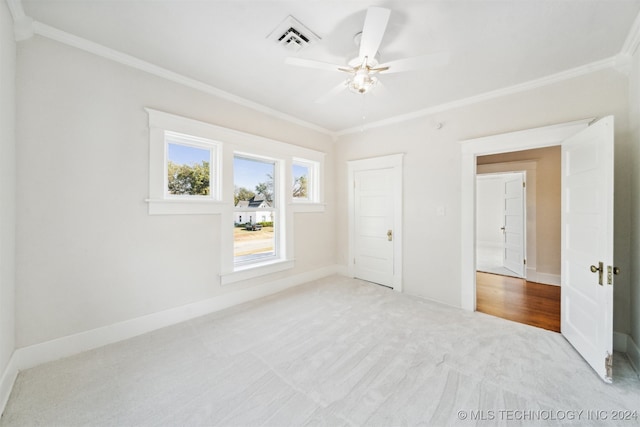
518	300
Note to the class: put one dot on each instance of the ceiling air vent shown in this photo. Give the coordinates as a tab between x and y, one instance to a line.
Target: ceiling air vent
293	35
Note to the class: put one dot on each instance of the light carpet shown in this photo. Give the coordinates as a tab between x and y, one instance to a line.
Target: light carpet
334	352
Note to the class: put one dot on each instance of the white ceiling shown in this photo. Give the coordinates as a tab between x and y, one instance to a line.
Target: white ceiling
493	45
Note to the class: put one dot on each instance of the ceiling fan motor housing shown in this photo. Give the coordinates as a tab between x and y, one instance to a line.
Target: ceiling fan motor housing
362	81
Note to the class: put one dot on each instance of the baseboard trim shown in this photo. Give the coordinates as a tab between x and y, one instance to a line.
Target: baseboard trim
37	354
7	380
544	278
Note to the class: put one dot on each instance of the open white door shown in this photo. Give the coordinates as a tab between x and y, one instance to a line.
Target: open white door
587	244
514	225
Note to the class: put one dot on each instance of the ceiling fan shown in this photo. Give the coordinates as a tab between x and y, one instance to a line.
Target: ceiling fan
363	69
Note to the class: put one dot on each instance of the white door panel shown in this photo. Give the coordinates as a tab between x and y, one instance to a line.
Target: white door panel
514	225
375	205
374	217
587	240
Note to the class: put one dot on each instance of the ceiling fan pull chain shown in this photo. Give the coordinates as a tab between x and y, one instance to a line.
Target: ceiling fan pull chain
364	116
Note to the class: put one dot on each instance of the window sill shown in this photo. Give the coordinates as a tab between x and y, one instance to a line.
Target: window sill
255	270
184	207
307	207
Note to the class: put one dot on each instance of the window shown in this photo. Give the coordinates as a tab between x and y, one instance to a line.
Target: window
255	198
188	166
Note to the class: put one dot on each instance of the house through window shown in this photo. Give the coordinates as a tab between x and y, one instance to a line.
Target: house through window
254	198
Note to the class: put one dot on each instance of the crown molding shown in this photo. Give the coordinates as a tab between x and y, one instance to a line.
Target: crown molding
633	38
617	62
131	61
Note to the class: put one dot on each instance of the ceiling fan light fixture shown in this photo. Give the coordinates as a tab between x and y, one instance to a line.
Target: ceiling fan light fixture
361	82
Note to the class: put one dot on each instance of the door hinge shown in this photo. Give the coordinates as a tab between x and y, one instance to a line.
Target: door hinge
354	261
354	183
525	261
608	365
524	185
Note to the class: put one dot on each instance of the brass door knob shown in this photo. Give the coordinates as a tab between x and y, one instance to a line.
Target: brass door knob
595	269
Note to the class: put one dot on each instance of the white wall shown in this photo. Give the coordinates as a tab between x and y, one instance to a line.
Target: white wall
432	173
7	188
88	254
634	300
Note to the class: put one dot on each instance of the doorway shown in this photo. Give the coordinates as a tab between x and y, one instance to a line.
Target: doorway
586	229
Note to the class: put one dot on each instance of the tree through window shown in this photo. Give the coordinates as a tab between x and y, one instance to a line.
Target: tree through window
188	166
305	175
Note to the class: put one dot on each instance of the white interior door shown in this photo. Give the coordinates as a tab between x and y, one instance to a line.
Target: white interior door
374	221
587	244
514	224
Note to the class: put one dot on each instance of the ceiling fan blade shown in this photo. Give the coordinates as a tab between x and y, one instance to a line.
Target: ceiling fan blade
333	92
309	63
415	63
375	25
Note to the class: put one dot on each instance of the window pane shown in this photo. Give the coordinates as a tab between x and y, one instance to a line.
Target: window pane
255	216
300	181
188	170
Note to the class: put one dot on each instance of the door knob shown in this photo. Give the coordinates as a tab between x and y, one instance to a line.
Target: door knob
389	235
502	228
595	269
